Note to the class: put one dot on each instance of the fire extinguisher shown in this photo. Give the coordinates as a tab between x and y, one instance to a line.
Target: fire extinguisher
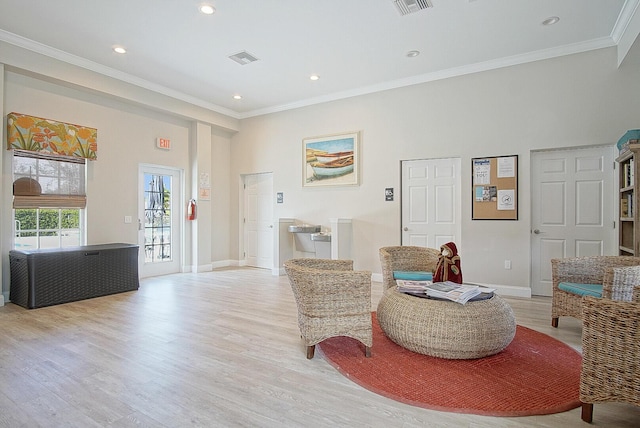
191	209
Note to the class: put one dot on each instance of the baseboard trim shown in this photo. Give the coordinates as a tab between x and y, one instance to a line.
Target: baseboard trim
509	290
503	290
224	263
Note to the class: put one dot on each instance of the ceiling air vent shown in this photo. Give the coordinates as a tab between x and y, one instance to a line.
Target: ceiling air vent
406	7
243	58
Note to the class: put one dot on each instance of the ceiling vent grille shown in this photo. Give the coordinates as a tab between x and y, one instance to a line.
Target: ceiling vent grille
243	58
406	7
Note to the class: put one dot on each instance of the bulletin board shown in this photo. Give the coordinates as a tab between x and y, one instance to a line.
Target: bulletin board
494	182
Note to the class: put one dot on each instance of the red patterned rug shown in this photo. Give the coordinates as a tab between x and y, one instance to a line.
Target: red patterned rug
535	375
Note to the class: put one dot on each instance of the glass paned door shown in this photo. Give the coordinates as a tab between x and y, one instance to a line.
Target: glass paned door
159	220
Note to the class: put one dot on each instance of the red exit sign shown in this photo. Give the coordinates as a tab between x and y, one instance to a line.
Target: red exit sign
163	143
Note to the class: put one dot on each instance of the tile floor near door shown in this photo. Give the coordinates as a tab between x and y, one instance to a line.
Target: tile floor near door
212	349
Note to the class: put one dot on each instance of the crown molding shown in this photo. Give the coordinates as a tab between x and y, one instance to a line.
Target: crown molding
540	55
77	61
626	14
630	7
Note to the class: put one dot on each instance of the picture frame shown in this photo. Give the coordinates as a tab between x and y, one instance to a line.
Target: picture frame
331	160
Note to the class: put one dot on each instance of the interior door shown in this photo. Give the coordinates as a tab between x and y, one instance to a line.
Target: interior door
258	220
572	208
431	202
160	213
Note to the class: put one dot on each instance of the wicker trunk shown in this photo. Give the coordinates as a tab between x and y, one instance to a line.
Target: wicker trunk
50	277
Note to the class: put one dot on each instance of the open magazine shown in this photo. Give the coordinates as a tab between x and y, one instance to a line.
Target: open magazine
459	293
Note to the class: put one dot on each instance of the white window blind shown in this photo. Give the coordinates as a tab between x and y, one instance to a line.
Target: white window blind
62	179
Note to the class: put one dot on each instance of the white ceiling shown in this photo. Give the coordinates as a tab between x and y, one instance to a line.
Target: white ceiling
355	46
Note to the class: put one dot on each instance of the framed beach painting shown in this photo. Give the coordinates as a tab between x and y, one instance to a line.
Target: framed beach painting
330	160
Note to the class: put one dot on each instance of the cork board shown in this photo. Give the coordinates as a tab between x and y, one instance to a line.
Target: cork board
494	182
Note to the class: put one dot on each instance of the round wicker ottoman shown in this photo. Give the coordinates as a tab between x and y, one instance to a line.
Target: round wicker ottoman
447	329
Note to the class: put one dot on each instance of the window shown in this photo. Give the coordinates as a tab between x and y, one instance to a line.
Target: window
61	180
47	228
157	225
48	214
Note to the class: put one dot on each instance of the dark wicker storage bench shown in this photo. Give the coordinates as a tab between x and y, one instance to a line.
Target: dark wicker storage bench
53	276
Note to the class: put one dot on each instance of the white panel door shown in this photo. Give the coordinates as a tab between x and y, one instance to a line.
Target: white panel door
258	221
572	208
431	202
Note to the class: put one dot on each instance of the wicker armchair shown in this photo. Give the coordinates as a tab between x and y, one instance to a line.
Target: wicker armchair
406	258
589	270
333	300
610	352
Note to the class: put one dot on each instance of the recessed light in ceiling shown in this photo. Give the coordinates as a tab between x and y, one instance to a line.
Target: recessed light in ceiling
314	77
413	54
551	20
237	97
119	49
207	9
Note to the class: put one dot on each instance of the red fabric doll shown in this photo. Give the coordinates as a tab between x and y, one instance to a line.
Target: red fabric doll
448	267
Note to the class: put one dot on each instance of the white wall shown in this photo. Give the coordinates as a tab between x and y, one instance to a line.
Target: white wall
126	138
576	100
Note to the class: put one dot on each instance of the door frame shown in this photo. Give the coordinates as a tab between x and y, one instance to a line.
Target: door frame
177	212
614	192
242	256
457	163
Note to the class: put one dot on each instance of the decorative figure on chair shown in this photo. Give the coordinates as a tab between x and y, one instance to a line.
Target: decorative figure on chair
448	267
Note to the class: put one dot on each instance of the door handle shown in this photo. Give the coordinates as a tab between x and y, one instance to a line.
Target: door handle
406	229
537	231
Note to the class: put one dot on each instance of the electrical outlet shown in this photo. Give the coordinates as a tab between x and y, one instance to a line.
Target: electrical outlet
507	264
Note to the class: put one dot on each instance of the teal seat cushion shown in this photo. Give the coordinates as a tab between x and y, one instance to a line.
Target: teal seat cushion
581	289
412	275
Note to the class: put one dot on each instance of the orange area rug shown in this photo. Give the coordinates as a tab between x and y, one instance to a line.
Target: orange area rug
535	375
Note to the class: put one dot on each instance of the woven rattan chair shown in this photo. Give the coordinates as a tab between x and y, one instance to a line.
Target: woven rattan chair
333	300
406	258
610	352
589	270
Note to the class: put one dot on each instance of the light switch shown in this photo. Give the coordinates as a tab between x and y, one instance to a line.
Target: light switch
127	219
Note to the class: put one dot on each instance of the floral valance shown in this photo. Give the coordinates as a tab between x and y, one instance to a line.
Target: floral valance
43	135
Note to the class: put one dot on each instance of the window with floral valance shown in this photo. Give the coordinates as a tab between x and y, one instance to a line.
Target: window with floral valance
36	134
49	161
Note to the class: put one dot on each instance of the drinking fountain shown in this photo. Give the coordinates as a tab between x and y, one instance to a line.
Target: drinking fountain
322	244
302	237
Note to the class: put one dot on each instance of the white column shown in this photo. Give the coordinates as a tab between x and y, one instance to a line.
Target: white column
201	227
341	237
5	224
283	248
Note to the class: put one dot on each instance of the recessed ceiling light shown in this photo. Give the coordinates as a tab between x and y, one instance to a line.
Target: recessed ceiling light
207	9
551	20
119	49
413	54
237	97
314	77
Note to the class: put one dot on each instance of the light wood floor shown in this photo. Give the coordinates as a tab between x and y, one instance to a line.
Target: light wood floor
212	349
